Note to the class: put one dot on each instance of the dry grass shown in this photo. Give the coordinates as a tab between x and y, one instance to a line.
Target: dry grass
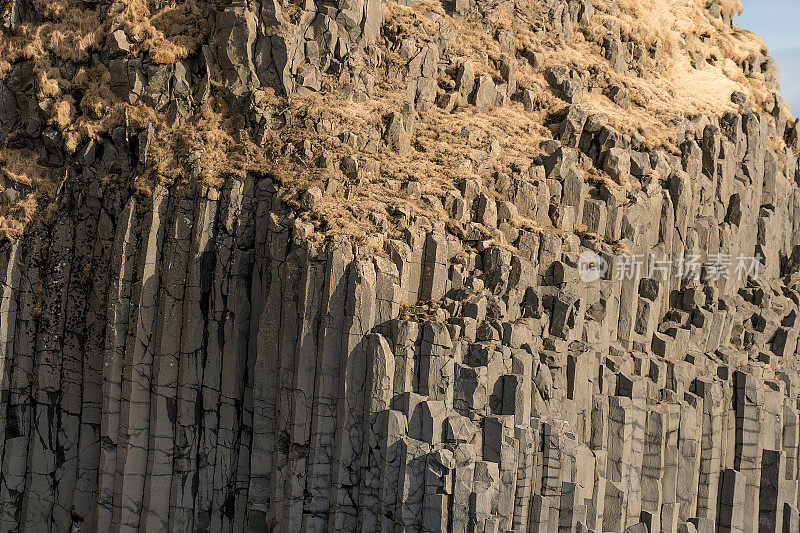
731	8
82	105
19	168
169	33
668	92
207	148
678	89
211	147
72	30
435	161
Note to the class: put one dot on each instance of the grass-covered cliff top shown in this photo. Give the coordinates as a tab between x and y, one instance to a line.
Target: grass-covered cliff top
646	65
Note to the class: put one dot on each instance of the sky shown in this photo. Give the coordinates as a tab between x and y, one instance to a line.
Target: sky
778	23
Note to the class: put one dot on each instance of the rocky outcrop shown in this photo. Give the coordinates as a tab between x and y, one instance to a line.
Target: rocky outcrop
600	336
291	47
192	361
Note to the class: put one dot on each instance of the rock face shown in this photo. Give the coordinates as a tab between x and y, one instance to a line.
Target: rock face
198	359
190	362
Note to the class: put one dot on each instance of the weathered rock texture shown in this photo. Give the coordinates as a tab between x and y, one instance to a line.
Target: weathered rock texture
198	359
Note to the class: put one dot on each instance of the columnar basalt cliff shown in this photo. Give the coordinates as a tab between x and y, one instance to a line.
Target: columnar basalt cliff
322	267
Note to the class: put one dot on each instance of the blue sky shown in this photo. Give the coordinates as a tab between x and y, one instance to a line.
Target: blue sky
778	22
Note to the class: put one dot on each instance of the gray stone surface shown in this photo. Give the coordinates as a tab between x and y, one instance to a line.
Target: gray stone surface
202	358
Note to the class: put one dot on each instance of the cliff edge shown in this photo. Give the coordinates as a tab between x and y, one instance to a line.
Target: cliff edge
407	266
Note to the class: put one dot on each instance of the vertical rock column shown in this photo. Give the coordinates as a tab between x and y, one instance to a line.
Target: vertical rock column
221	321
379	435
266	375
748	450
166	356
345	468
710	449
310	302
339	256
84	503
653	466
72	499
234	328
190	369
620	441
131	464
13	282
40	489
123	265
